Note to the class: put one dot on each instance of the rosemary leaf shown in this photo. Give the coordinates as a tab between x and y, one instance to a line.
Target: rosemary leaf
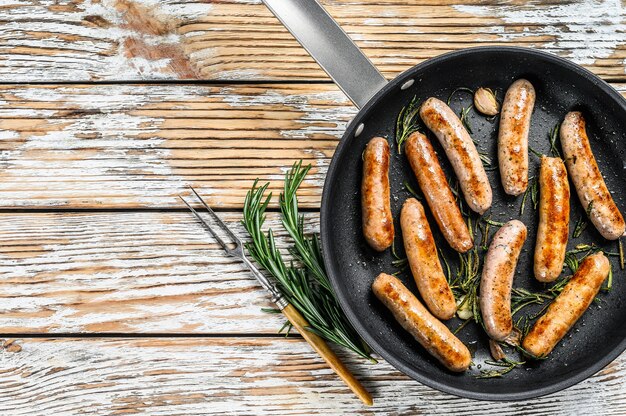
621	253
554	135
532	189
533	151
412	191
465	120
582	222
507	364
459	89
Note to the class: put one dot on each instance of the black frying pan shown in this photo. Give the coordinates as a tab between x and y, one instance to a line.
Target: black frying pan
561	86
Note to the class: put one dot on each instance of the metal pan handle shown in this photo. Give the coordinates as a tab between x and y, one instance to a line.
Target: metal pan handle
330	46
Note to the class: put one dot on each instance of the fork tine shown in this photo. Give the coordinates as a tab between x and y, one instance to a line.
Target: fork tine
217	218
206	225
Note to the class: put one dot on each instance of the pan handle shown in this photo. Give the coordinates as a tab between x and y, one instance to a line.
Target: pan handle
330	46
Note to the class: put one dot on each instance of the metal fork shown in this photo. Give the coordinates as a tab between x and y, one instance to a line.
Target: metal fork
291	313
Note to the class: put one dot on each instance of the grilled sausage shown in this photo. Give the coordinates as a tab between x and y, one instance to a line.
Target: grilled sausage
587	179
375	204
461	152
425	266
517	108
497	279
568	307
434	185
553	219
425	328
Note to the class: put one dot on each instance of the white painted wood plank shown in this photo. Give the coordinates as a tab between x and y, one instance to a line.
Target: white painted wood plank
127	272
243	376
100	146
239	39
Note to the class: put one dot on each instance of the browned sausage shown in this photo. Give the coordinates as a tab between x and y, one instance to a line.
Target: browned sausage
425	328
517	108
434	185
497	279
568	307
587	179
375	204
461	152
553	219
424	261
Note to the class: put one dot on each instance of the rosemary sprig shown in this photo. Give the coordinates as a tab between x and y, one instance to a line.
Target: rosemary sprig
306	288
484	157
407	122
582	222
507	366
464	112
521	298
554	135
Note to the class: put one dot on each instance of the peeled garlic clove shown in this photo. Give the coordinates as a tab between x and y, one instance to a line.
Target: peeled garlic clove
465	311
485	102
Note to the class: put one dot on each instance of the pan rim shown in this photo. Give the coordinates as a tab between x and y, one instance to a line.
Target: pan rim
325	225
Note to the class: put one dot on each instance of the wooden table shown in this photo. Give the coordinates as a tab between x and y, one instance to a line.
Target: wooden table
112	299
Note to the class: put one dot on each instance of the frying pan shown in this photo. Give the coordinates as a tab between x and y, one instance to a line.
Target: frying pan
561	86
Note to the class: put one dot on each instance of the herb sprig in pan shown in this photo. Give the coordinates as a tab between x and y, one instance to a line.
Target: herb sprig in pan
407	122
307	288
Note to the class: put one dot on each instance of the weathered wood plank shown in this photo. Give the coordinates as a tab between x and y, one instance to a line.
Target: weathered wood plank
85	146
127	272
243	376
112	146
240	39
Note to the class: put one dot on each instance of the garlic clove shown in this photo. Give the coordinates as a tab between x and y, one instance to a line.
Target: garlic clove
485	102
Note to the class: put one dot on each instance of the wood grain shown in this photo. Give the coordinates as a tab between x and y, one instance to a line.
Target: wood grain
139	146
243	376
128	272
129	146
240	39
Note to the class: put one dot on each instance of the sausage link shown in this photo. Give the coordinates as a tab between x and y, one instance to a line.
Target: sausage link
424	261
553	219
436	190
517	108
375	204
497	279
461	152
568	307
434	336
587	179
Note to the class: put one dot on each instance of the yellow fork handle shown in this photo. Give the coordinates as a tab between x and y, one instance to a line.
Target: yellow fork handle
322	348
